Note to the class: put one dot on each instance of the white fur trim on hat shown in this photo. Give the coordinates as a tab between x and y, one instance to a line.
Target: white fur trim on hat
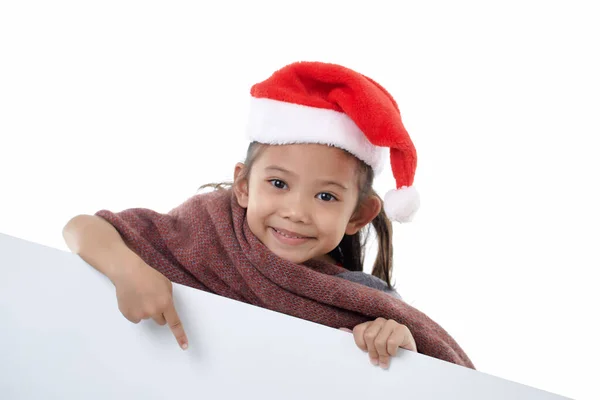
401	204
279	122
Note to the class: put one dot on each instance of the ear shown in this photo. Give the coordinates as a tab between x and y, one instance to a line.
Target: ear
366	212
240	185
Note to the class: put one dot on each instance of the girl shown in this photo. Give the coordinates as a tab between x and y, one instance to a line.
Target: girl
287	233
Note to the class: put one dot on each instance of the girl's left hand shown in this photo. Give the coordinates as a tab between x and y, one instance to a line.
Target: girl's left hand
381	339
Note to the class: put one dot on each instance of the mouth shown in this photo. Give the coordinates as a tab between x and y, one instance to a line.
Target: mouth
290	234
289	237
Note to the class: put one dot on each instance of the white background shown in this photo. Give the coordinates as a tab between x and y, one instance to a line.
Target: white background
126	104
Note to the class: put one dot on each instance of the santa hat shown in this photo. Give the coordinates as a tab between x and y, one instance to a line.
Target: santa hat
313	102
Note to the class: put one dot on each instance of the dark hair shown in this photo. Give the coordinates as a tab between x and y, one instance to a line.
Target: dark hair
351	250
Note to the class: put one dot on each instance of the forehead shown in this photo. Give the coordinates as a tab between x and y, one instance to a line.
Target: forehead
310	161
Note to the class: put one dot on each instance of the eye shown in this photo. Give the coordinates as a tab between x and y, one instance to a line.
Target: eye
278	183
326	196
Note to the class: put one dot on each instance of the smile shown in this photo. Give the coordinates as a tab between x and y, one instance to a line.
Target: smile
287	237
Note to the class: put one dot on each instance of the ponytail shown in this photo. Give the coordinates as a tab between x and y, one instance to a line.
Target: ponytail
384	262
351	251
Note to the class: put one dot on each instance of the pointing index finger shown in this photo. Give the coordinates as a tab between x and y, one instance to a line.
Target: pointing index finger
175	325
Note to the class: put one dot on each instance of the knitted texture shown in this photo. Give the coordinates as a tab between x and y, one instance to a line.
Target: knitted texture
206	243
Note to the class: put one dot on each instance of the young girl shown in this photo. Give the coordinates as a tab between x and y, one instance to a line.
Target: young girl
287	234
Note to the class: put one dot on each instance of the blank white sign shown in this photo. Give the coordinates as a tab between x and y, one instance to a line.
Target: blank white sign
63	337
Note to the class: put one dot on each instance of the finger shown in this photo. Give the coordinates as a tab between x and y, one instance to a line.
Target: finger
176	326
131	317
381	342
401	337
359	335
135	320
370	335
160	319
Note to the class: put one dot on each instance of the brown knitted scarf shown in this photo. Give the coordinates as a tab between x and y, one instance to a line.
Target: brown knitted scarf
206	243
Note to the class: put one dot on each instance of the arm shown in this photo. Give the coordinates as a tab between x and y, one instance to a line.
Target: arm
99	244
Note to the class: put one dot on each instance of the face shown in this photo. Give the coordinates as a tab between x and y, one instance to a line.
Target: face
301	199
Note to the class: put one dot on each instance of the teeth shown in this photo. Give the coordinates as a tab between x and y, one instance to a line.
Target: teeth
287	236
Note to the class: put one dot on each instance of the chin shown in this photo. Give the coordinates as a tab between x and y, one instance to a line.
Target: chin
296	259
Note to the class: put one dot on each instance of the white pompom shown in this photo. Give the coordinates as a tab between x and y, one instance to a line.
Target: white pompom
401	204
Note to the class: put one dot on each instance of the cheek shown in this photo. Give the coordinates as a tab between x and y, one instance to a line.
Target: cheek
333	221
256	216
259	202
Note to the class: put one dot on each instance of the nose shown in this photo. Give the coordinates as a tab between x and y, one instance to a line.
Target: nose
296	208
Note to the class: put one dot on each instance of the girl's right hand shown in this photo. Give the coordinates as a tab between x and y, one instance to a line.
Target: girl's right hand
143	293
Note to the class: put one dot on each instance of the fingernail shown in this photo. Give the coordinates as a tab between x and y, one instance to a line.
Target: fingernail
374	361
385	365
184	346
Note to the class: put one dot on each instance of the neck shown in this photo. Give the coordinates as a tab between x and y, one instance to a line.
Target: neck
326	258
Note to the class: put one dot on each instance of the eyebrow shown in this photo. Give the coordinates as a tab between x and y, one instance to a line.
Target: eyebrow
322	182
280	169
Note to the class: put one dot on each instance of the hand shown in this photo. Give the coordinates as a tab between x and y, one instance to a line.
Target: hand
381	339
143	293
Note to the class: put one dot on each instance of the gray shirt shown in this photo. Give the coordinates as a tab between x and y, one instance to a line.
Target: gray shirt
368	280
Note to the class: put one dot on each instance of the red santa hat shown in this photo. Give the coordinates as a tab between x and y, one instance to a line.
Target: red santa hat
314	102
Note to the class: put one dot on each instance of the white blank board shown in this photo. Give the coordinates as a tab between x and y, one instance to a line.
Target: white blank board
63	337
